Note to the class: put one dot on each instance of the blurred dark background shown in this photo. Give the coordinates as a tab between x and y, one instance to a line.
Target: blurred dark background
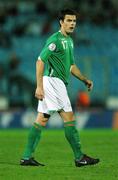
24	28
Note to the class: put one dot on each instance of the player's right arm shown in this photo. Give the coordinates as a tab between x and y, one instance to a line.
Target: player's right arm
46	52
39	93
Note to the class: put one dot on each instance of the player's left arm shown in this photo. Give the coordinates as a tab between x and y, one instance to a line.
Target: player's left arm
75	71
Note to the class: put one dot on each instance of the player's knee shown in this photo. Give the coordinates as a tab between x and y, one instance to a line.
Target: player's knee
70	117
42	119
67	116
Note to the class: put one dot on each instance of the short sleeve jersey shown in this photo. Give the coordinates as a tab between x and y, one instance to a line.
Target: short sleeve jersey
58	56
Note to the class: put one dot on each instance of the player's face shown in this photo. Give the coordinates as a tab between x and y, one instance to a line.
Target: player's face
68	24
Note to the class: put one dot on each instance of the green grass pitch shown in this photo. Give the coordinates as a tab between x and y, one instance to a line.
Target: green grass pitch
55	152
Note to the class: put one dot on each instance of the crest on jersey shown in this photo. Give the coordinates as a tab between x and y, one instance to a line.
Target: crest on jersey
52	47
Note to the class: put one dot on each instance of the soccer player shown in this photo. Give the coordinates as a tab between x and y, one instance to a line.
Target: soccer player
58	59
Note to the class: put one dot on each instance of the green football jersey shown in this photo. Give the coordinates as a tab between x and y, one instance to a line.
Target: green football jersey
58	56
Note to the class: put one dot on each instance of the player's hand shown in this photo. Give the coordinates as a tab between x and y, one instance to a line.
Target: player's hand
39	93
89	84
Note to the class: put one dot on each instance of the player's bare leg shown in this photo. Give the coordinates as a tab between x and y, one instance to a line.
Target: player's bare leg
33	140
72	136
42	119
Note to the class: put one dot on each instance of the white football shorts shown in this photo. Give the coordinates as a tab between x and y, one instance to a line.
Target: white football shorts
55	96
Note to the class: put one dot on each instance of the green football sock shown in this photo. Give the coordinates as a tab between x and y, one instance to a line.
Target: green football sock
33	139
37	138
72	136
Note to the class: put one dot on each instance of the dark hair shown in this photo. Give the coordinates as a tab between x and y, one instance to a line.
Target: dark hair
64	12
